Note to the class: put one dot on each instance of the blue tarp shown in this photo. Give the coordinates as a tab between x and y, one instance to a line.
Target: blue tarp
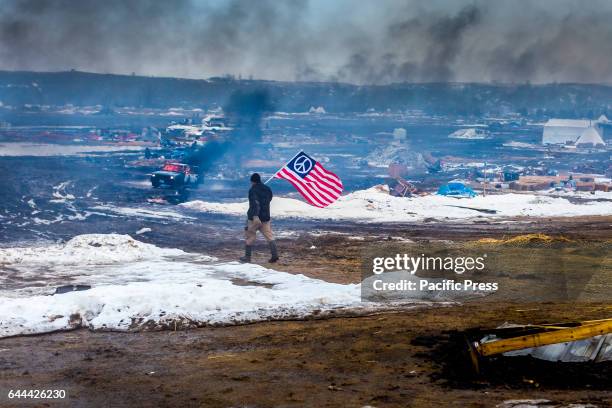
456	189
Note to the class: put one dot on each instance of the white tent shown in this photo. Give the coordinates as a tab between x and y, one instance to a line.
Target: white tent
590	137
562	131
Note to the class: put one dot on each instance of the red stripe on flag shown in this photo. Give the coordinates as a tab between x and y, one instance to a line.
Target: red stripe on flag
298	184
320	187
322	192
318	179
331	181
302	193
328	176
330	195
328	173
312	188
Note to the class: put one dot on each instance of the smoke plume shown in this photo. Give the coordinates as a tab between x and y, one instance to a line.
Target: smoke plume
315	40
244	111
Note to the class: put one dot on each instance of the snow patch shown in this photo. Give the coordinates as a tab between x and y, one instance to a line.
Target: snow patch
59	192
135	285
376	205
87	249
205	300
48	149
143	212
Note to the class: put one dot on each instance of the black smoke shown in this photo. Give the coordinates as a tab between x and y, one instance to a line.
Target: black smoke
206	157
244	112
440	40
315	40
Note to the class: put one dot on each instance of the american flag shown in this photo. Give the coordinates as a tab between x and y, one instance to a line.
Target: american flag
320	187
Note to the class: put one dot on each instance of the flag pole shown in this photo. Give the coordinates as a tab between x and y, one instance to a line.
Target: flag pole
288	161
266	182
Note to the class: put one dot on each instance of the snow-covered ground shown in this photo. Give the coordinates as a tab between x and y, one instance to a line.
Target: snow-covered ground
125	284
83	250
136	285
587	195
47	149
376	205
152	213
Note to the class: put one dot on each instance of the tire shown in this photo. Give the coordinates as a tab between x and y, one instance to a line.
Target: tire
155	182
183	195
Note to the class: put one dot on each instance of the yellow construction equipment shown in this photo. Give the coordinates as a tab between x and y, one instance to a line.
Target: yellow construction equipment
536	336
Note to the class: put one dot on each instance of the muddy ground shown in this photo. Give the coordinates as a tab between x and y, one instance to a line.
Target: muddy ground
412	357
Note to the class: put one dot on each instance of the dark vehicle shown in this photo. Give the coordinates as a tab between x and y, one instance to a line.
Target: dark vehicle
174	175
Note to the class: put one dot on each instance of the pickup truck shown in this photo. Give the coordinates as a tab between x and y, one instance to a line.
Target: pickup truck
175	175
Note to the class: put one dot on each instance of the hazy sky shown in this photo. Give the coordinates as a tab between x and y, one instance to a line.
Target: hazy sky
358	41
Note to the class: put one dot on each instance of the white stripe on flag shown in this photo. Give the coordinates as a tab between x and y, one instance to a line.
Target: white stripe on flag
315	177
331	194
328	176
320	187
311	189
285	174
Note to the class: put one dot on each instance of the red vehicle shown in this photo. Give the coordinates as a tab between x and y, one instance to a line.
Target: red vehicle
175	175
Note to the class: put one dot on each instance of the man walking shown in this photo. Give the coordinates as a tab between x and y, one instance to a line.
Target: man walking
258	218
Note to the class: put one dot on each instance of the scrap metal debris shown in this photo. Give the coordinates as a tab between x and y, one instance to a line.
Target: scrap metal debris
565	342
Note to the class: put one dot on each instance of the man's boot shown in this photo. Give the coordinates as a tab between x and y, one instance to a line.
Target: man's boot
273	252
247	254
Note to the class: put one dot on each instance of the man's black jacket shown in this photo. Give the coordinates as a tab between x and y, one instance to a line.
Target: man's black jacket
260	196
